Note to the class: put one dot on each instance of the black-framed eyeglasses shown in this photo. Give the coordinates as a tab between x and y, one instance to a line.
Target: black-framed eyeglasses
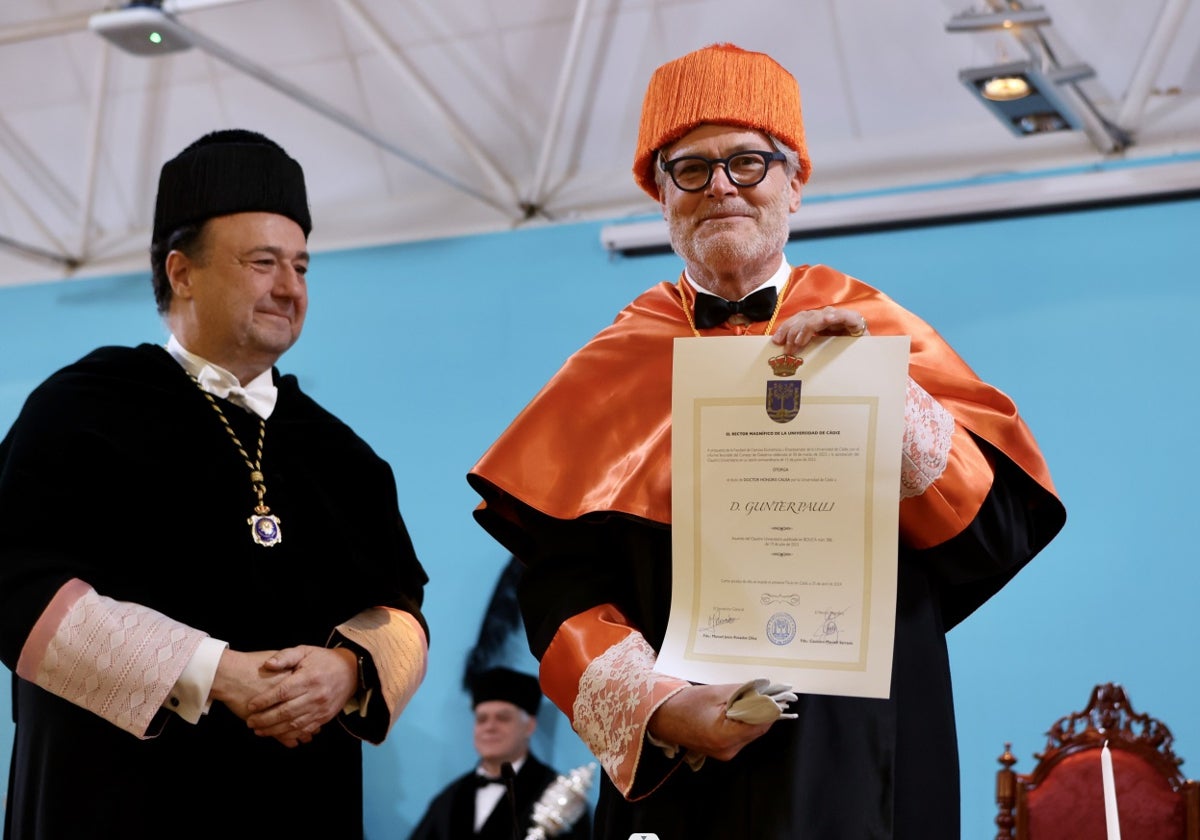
692	173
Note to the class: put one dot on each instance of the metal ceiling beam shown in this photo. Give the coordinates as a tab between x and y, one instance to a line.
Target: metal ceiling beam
12	244
1151	61
338	116
150	142
44	28
33	165
95	132
9	244
175	7
535	198
400	64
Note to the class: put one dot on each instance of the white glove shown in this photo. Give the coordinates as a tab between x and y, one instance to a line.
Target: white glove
760	701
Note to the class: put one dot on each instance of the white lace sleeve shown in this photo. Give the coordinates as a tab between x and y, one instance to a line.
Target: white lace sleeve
618	693
928	429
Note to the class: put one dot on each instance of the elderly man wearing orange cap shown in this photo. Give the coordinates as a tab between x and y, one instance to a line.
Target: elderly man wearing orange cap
579	489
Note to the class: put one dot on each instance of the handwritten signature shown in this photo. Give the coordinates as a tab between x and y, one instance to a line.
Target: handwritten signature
720	616
828	625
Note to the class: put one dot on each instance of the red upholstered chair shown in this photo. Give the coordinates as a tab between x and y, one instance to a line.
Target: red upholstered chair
1063	798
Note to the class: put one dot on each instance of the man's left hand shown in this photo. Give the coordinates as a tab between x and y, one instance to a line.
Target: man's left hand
321	682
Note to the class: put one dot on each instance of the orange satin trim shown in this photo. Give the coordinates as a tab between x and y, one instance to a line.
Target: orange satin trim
938	514
578	641
597	437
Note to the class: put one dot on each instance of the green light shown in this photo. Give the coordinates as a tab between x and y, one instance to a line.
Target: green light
155	38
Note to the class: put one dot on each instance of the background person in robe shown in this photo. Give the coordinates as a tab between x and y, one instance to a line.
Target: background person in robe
208	596
721	146
477	805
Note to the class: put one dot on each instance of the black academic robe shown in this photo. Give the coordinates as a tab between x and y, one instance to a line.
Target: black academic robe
847	768
118	472
451	814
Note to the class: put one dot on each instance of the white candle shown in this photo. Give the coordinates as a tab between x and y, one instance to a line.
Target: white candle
1110	794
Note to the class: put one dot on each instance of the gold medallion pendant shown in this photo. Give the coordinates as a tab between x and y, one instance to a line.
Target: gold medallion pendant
264	526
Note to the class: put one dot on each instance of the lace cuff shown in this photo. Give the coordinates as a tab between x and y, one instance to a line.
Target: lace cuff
598	669
928	429
618	693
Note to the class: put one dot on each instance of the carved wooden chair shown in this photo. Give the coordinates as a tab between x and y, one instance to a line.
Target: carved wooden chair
1063	798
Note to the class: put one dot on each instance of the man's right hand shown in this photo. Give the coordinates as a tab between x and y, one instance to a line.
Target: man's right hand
695	720
242	676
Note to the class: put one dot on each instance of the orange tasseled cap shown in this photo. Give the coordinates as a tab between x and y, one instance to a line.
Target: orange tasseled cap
722	84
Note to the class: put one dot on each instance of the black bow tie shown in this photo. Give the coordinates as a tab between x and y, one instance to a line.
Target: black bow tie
483	781
712	310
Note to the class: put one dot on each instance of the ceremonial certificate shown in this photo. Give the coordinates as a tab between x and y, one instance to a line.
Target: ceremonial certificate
785	504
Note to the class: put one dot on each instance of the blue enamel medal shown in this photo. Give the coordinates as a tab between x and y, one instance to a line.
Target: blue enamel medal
264	527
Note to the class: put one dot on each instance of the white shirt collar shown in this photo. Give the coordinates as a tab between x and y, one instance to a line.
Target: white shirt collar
258	395
777	279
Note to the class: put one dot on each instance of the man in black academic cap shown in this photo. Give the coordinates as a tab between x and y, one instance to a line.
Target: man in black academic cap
208	597
478	805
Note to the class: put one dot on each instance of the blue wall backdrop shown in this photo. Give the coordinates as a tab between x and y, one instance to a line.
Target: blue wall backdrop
1085	319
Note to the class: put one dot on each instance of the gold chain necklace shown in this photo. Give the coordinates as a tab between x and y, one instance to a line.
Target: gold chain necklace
692	321
264	526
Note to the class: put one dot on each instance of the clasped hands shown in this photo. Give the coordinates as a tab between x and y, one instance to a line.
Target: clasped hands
288	694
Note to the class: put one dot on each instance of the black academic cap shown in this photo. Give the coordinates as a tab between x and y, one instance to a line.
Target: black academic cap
522	690
225	172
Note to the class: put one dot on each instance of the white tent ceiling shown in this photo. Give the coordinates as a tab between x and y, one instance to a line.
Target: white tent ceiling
416	119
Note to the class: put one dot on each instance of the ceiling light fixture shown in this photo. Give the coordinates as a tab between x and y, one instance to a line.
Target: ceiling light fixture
1037	95
142	29
1025	97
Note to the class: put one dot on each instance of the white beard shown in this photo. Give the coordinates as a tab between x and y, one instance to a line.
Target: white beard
768	238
